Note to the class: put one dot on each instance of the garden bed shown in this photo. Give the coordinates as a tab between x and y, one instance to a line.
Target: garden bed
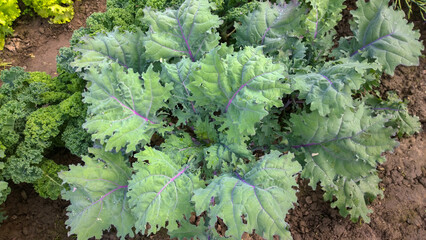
399	215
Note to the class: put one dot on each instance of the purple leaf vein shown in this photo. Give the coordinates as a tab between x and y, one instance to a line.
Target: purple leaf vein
365	46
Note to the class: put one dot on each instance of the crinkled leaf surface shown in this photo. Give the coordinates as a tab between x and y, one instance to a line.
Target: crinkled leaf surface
23	165
382	33
263	196
330	88
243	86
98	195
401	119
323	17
270	25
352	195
188	31
178	74
160	191
206	131
320	27
181	147
4	189
125	49
224	156
341	147
190	231
123	108
2	155
268	131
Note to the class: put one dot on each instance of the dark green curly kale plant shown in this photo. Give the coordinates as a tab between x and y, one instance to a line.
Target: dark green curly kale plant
278	92
34	111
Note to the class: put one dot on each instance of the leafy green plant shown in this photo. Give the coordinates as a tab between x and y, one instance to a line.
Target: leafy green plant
9	11
34	110
4	188
279	90
59	11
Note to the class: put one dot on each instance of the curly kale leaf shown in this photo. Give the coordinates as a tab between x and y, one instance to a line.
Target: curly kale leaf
22	166
342	152
49	185
59	11
188	31
76	139
130	5
2	149
27	128
4	188
73	106
112	18
33	89
14	81
97	192
237	9
43	125
160	191
262	197
9	11
12	115
71	82
64	58
4	191
53	90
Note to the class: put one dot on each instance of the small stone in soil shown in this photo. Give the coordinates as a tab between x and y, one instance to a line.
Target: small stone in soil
24	195
25	231
10	48
339	230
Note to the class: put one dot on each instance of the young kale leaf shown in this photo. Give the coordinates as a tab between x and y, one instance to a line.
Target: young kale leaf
263	196
243	86
98	193
160	191
341	152
270	26
122	107
384	35
188	31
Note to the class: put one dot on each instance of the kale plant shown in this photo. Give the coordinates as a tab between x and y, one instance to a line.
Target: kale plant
188	125
34	110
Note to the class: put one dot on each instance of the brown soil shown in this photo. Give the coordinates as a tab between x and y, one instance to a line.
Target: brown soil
35	42
399	215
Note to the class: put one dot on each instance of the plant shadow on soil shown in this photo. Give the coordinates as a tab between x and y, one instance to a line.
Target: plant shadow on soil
399	215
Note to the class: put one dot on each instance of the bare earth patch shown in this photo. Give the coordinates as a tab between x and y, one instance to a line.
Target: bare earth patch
399	215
